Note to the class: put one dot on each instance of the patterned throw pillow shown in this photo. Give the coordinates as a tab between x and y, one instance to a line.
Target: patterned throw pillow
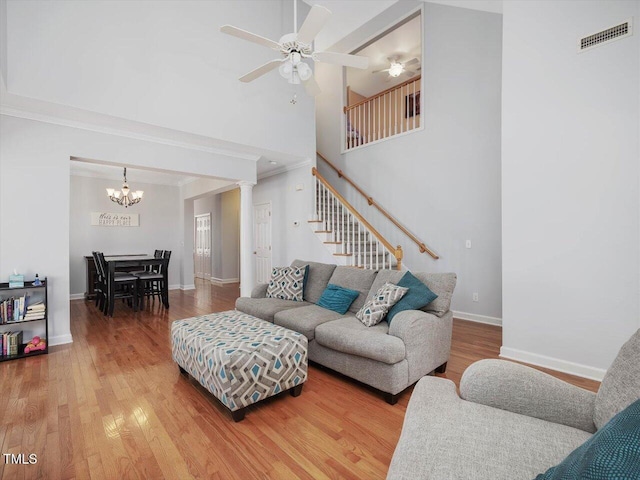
287	283
374	311
612	452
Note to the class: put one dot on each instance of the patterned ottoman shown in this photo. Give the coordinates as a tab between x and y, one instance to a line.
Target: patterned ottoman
239	358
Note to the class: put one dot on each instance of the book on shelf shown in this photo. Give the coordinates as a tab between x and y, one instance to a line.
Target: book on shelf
16	309
11	343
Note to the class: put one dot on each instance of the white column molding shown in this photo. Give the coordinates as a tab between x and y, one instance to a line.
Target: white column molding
247	260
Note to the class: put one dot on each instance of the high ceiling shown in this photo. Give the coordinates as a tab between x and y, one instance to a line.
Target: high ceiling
404	43
111	172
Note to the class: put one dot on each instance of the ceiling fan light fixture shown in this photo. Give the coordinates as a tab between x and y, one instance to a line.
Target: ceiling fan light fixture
304	71
396	69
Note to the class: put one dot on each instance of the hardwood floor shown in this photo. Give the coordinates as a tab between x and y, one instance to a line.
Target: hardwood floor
113	405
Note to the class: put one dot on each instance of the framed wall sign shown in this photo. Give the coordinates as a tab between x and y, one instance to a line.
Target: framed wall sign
103	219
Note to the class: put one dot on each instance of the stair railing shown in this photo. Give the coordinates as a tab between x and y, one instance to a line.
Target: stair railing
345	226
421	245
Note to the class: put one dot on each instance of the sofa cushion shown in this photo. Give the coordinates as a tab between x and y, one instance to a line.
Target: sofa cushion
349	335
613	452
446	438
338	299
375	309
442	284
418	296
621	384
305	319
355	279
318	275
265	308
287	283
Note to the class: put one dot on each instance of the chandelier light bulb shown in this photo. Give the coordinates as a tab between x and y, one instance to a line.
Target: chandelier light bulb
122	197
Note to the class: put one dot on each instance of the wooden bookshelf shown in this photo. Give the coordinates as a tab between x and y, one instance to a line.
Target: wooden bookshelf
37	293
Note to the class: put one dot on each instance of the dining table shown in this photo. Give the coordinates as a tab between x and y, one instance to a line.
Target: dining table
115	263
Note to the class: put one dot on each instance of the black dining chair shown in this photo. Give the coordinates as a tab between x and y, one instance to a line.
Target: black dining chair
150	268
152	284
124	287
100	284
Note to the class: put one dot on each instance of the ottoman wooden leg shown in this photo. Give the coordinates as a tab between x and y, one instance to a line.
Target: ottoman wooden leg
238	415
297	390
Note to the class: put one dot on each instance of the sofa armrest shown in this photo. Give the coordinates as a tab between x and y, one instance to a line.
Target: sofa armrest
524	390
259	291
427	340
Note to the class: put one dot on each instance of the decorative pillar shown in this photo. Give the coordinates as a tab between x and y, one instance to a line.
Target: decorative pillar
247	260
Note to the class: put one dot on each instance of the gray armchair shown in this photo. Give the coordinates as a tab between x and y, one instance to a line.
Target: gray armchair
510	421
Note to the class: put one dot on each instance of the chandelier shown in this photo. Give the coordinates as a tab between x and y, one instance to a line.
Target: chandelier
123	198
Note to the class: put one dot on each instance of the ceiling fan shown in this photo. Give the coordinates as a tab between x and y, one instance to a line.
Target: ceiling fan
295	48
398	68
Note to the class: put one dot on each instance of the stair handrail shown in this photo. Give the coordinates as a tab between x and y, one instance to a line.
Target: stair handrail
396	251
421	245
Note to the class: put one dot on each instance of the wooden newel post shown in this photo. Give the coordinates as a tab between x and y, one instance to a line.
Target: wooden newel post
398	254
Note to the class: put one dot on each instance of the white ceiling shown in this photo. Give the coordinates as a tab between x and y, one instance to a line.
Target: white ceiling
403	42
157	70
134	176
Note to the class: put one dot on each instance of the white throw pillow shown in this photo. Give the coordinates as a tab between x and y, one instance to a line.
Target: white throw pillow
374	311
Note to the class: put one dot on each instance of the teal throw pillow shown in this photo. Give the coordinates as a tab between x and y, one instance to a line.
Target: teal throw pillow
613	452
417	297
337	298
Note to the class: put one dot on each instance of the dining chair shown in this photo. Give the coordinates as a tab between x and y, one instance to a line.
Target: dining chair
152	284
150	268
99	284
125	287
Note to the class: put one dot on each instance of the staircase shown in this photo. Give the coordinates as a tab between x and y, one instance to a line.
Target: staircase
347	235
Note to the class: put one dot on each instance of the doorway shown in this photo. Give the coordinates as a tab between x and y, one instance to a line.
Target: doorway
262	238
202	246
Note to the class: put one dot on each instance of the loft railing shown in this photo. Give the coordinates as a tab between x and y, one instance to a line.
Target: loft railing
344	226
421	245
391	112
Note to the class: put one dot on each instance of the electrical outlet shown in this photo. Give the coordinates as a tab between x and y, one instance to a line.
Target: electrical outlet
475	296
468	244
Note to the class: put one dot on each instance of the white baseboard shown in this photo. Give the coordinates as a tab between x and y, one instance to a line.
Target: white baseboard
175	287
473	317
223	281
187	287
60	339
557	364
76	296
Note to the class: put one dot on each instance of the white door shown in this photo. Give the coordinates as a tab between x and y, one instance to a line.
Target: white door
262	238
202	243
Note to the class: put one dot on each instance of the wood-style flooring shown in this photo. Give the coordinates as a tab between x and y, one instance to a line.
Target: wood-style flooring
112	405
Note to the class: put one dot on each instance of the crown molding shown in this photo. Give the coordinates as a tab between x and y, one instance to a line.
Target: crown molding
284	169
12	111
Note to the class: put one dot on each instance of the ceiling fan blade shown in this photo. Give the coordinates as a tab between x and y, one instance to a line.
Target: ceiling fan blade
413	61
409	73
312	87
251	37
379	71
344	59
317	18
258	72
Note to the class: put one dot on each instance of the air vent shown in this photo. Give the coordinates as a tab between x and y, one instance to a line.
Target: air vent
605	36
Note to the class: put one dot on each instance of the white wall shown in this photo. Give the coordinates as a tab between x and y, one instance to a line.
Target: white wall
34	194
442	182
159	212
571	198
164	63
225	232
287	206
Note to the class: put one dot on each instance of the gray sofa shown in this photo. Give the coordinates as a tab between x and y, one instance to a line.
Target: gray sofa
388	358
510	421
